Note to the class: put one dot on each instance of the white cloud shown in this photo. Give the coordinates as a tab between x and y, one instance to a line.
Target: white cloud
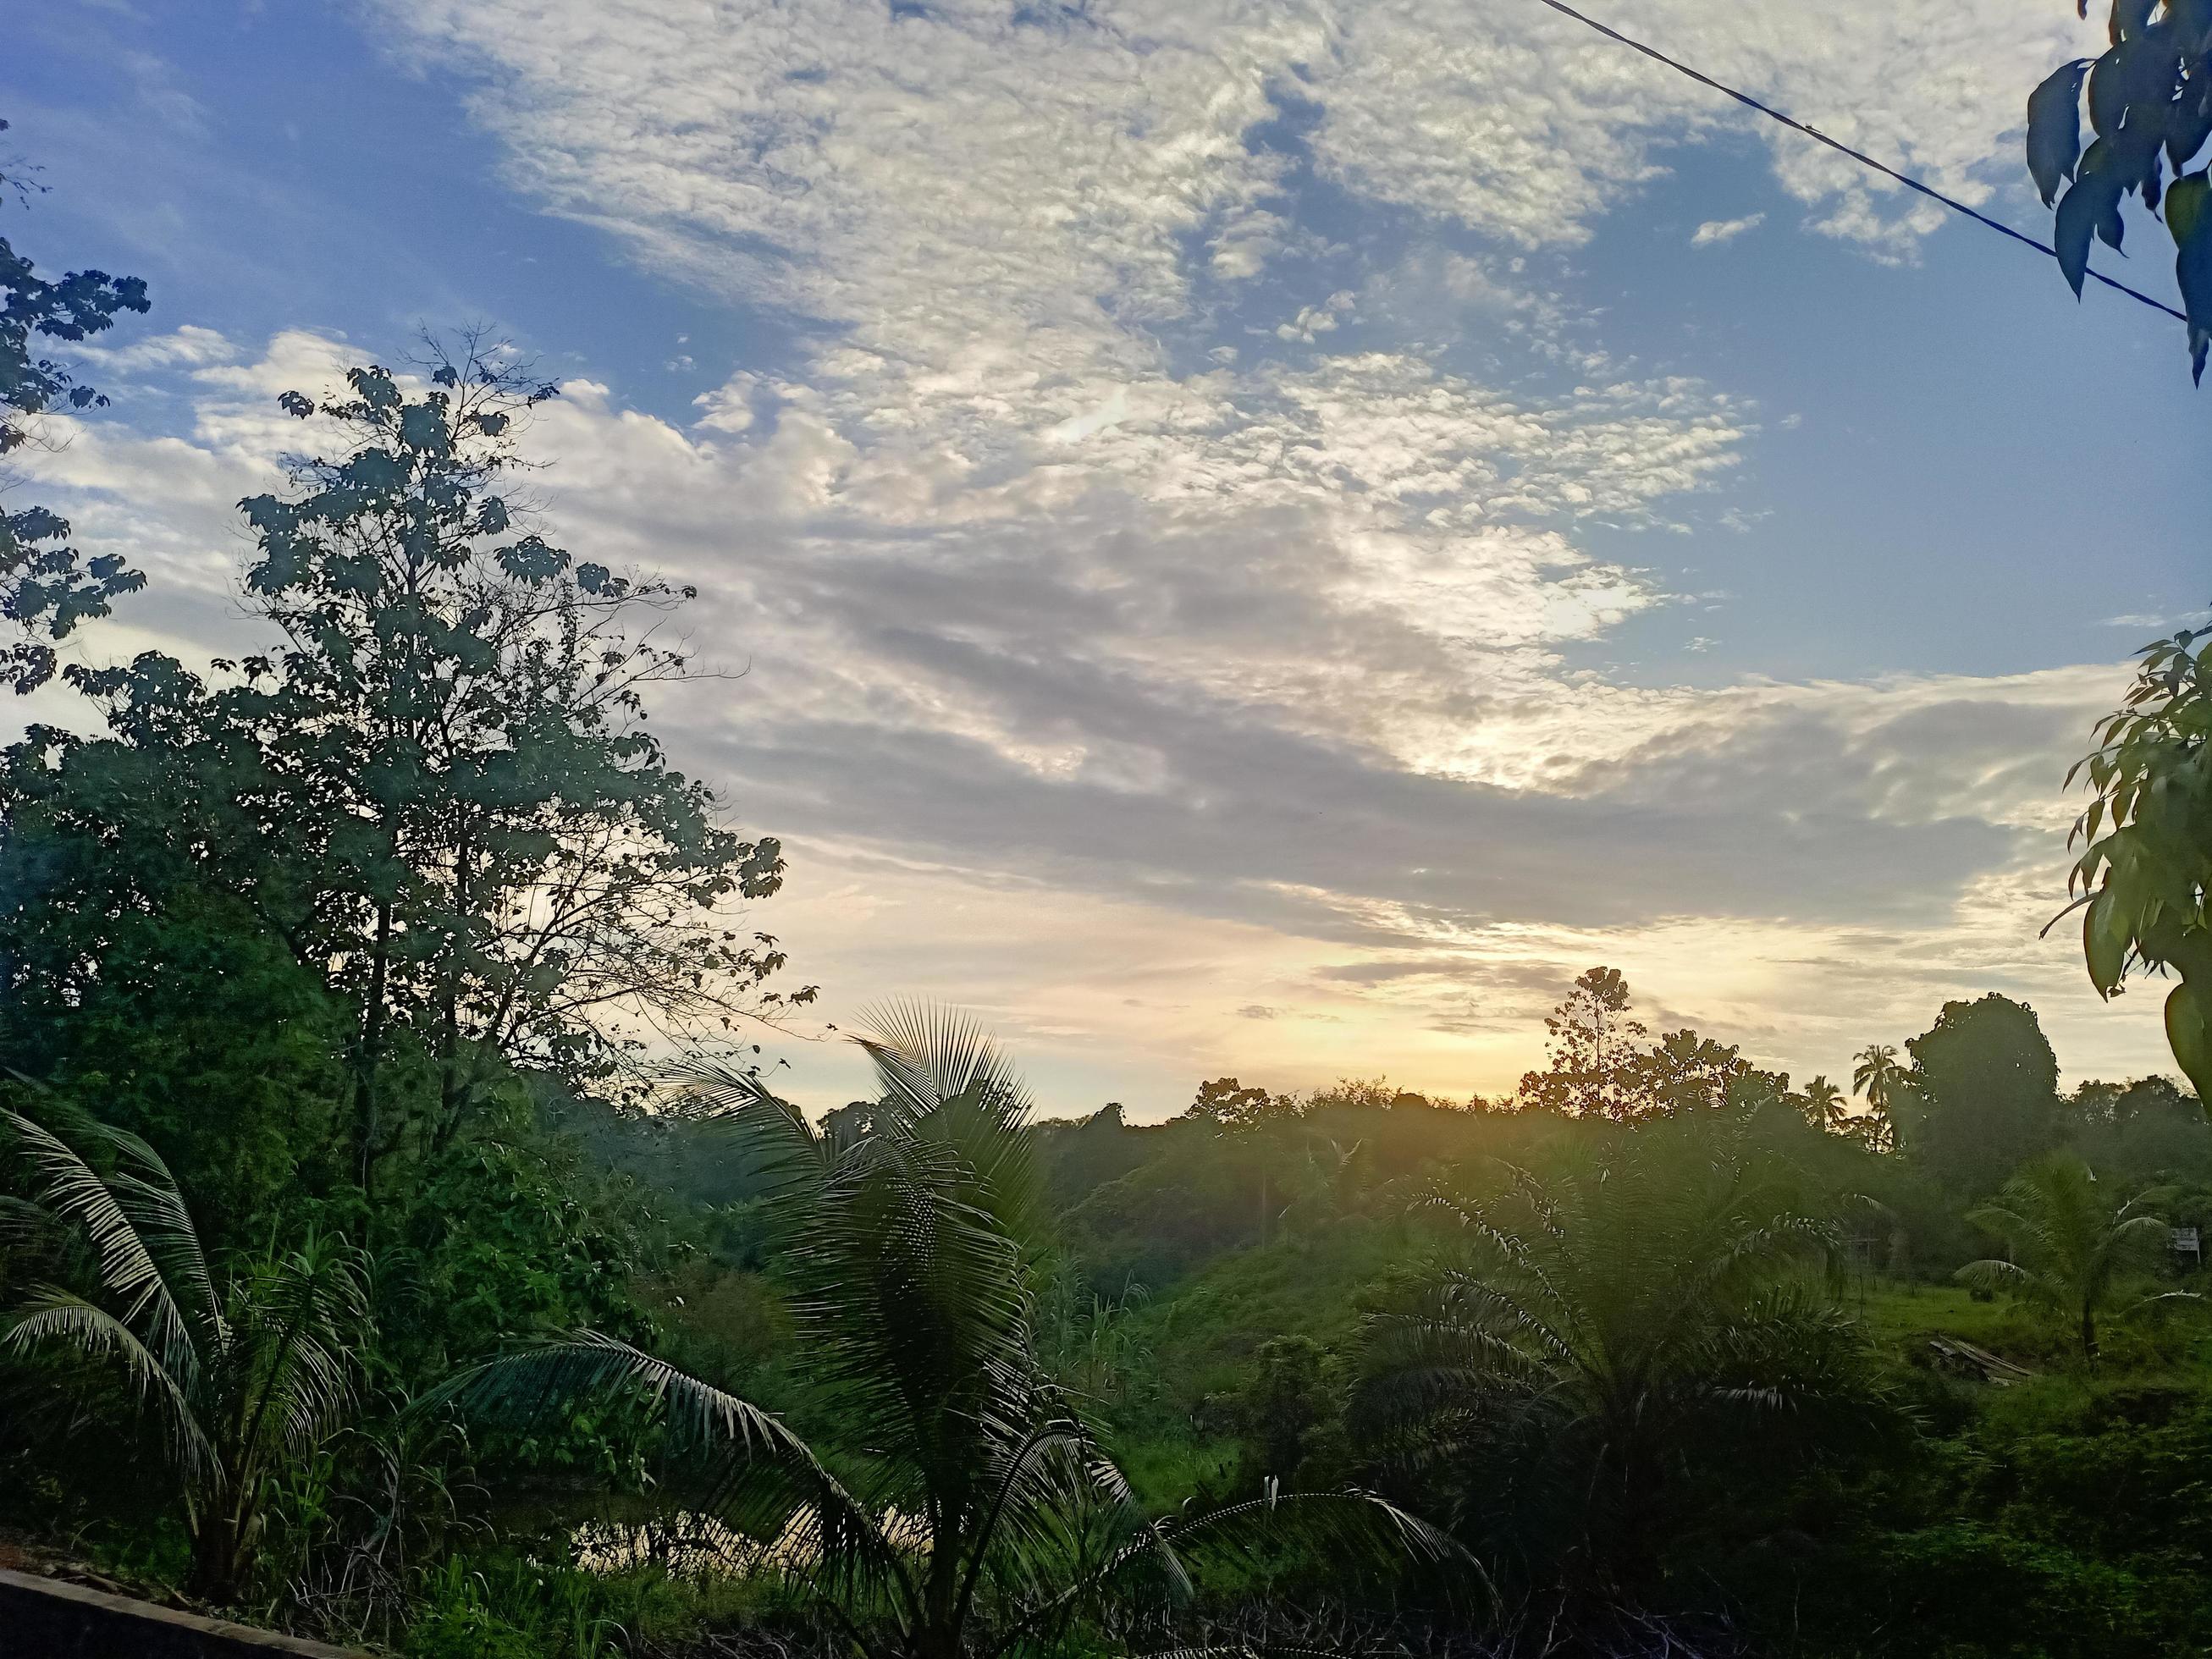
1725	230
1240	713
1079	603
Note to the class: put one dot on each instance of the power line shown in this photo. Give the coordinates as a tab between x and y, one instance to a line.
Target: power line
1862	159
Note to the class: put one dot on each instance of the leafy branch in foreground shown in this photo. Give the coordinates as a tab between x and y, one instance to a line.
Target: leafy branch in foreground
2149	101
242	1378
2146	863
972	1510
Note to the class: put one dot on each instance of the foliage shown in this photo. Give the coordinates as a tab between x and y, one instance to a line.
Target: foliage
2145	838
2149	99
1876	1075
976	1512
1599	1067
244	1375
1983	1096
2068	1248
1600	1326
46	587
439	794
1591	1033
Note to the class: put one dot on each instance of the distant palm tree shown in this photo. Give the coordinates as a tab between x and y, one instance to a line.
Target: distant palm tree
1882	1079
1607	1321
972	1510
244	1378
2071	1247
1824	1105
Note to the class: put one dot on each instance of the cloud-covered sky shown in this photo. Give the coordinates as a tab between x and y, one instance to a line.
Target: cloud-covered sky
1259	538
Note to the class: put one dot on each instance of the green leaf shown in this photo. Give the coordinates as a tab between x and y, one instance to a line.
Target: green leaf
2188	1032
2184	205
2106	932
2054	128
2192	268
2084	213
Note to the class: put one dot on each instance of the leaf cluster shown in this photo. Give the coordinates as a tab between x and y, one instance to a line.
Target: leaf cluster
2149	102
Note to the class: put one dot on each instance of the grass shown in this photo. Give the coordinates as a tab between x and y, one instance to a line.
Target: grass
1900	1311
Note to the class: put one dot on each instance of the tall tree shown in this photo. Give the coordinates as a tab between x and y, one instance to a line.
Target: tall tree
48	587
1593	1038
439	790
1878	1075
1682	1073
1822	1103
1984	1094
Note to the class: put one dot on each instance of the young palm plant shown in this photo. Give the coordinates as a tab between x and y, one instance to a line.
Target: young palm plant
968	1509
242	1378
2072	1249
1592	1332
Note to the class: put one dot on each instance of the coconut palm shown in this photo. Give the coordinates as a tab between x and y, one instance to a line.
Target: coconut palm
1594	1328
1882	1079
1823	1105
242	1378
970	1510
2071	1249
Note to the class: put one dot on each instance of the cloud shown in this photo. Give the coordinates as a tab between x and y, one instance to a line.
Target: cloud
1725	230
1144	596
2179	619
1208	699
190	346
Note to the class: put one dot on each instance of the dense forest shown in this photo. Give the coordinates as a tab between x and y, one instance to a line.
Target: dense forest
404	1240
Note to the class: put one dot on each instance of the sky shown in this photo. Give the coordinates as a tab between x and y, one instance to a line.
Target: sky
1255	538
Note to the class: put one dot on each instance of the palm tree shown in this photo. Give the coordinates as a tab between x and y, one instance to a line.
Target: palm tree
972	1510
1880	1077
1598	1327
242	1378
2070	1247
1824	1105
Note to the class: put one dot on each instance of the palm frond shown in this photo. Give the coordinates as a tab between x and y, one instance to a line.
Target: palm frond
736	1098
150	1194
67	1320
753	1472
1349	1528
73	1190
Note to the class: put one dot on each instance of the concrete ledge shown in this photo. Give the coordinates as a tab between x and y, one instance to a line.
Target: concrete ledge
47	1619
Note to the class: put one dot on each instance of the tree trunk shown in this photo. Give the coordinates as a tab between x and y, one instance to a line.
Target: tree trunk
366	1127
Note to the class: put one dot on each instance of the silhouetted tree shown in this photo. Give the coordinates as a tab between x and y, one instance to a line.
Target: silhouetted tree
46	587
1879	1076
1592	1039
1984	1094
439	792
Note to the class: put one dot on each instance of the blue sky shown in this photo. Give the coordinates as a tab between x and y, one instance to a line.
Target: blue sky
1264	538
